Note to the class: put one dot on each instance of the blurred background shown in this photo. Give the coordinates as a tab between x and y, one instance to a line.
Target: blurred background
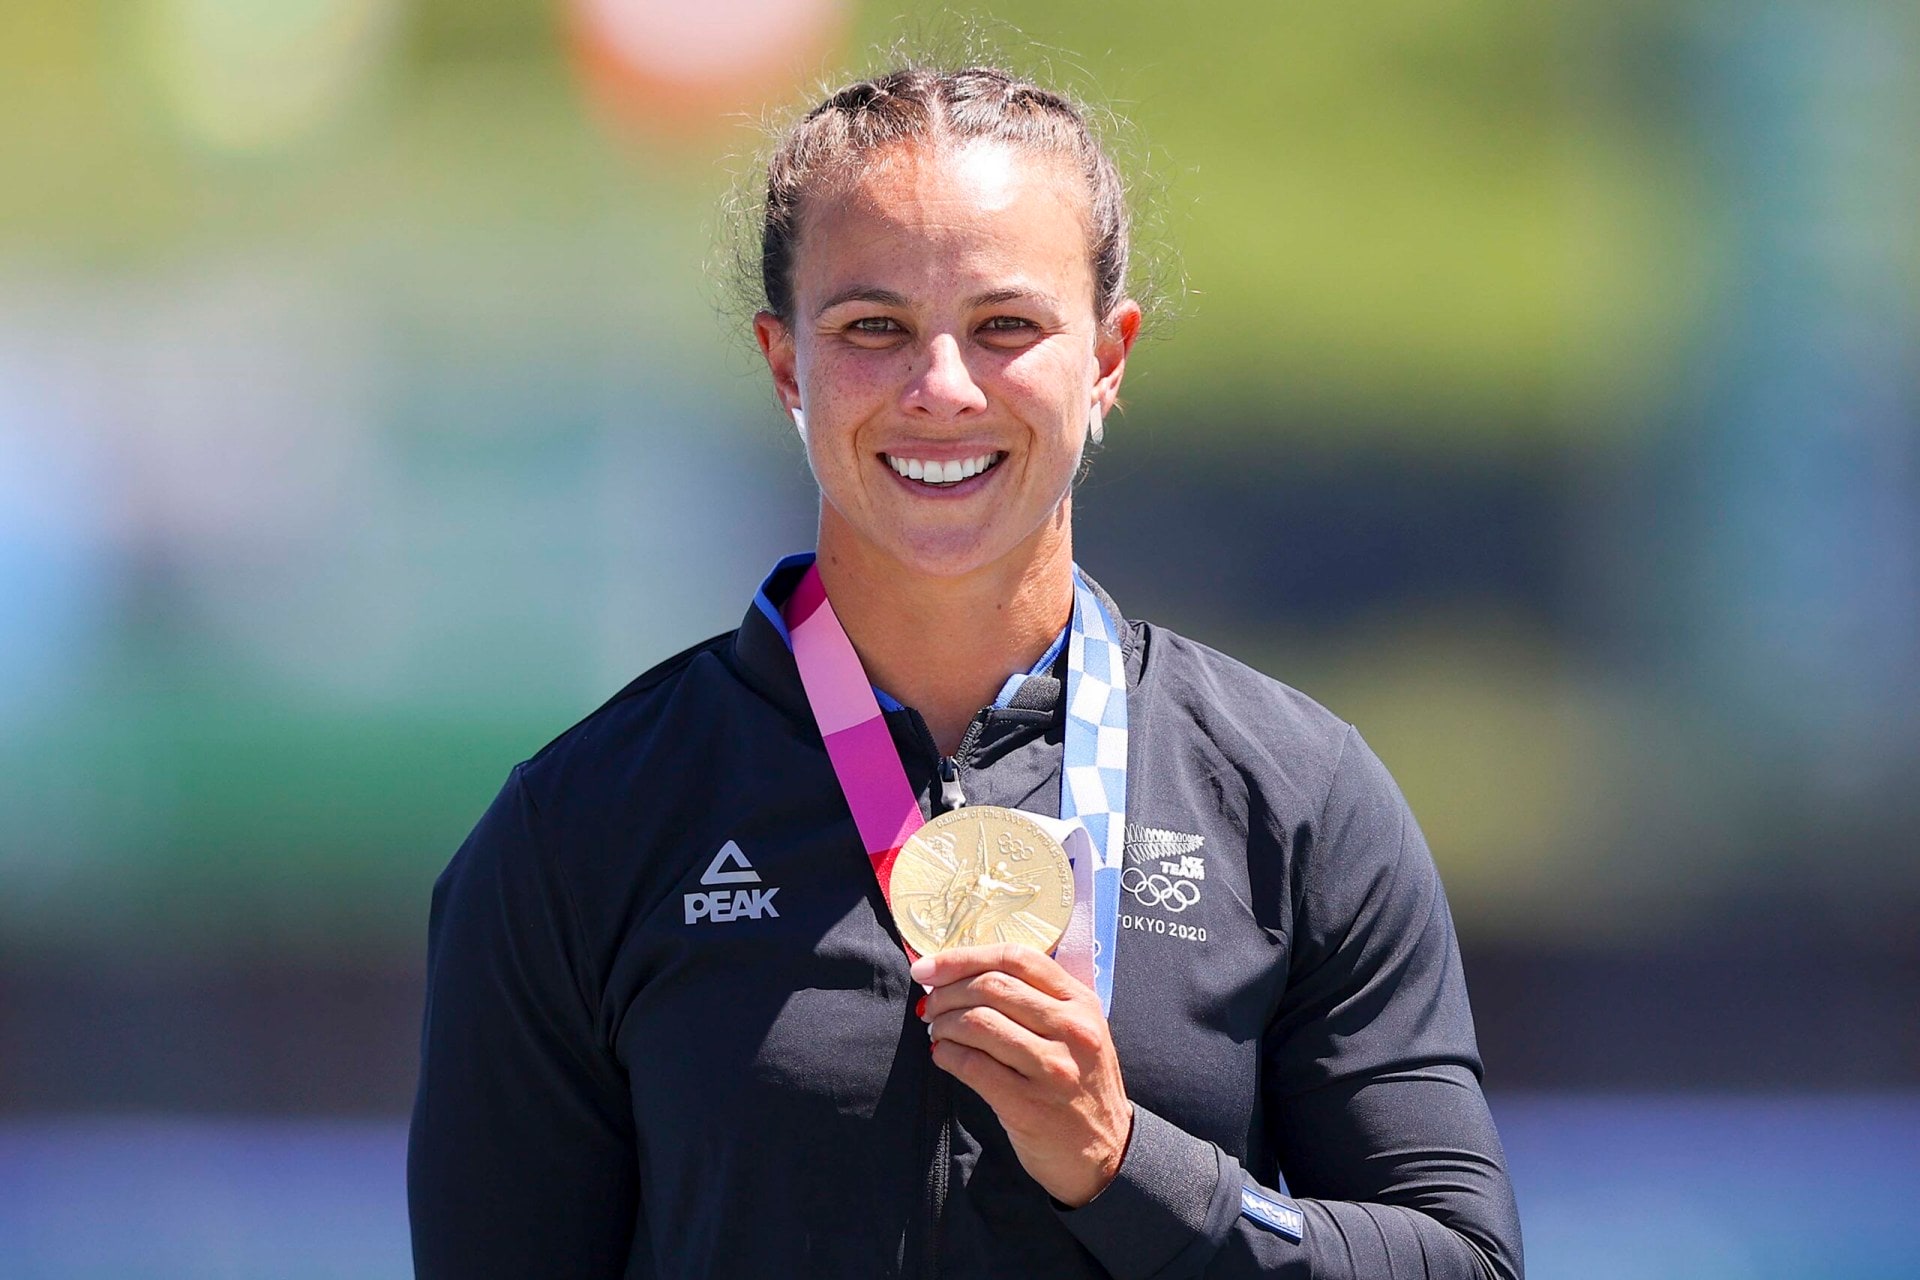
1545	399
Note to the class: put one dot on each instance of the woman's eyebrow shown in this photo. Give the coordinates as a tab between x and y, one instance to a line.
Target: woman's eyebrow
994	297
863	293
889	298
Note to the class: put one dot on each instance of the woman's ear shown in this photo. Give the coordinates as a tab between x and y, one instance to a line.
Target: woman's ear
1110	348
776	344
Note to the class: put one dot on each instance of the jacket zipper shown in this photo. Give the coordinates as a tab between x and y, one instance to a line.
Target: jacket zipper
951	796
939	1100
940	1117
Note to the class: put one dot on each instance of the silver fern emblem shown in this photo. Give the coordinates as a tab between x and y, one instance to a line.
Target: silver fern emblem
1151	844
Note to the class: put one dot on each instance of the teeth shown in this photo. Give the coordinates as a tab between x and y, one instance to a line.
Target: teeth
952	472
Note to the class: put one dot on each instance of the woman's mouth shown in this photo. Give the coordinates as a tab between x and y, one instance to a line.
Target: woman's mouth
941	473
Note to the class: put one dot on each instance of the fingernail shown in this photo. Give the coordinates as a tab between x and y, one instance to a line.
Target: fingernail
922	969
920	1008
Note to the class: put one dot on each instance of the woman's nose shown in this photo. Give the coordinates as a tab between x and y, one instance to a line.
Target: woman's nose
945	387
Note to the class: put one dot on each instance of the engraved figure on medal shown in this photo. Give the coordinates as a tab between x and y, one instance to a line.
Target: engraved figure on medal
985	896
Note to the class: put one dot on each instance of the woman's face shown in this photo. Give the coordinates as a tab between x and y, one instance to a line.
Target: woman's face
945	352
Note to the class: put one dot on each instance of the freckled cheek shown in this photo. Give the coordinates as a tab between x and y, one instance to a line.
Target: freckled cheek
854	384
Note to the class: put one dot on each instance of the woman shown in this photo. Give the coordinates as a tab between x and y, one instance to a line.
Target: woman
673	1027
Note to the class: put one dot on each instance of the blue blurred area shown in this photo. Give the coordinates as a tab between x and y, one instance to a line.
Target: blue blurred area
1719	1188
187	1199
1652	1187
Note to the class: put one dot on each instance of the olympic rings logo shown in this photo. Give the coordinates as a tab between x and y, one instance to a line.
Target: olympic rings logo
1157	890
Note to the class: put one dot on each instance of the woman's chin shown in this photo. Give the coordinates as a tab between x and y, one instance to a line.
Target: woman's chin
941	555
940	549
953	555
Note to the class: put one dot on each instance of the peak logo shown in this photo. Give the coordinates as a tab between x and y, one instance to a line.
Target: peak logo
719	906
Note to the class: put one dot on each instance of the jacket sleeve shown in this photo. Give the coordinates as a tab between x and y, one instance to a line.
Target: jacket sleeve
1370	1087
521	1157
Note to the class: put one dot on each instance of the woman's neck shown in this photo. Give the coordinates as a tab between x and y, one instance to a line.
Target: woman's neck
944	646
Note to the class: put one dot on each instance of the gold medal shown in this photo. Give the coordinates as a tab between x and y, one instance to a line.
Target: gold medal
981	874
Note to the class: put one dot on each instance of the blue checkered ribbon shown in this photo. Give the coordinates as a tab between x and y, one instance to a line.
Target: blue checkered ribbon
1093	779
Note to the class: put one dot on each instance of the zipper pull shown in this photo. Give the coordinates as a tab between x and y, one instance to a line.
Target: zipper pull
951	796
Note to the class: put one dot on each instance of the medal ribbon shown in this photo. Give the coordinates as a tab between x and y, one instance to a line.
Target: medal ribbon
1093	772
1093	775
850	721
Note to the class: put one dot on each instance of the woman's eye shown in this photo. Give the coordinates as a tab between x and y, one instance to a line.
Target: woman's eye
874	324
1009	333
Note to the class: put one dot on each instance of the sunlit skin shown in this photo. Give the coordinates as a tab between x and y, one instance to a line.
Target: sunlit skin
943	310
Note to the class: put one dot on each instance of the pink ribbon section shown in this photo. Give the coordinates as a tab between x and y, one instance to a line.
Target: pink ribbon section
884	807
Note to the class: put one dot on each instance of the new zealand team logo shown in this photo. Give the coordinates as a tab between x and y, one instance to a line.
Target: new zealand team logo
1163	868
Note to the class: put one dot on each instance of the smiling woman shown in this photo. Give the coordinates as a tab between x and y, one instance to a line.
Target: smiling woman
678	1026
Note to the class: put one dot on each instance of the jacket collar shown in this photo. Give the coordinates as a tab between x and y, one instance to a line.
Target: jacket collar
763	653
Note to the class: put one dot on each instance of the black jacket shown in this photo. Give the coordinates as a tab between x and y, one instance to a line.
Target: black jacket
624	1075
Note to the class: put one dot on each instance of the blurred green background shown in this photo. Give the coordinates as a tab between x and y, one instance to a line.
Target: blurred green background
1537	385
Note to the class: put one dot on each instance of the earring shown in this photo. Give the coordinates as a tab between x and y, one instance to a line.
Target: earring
1096	429
800	423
